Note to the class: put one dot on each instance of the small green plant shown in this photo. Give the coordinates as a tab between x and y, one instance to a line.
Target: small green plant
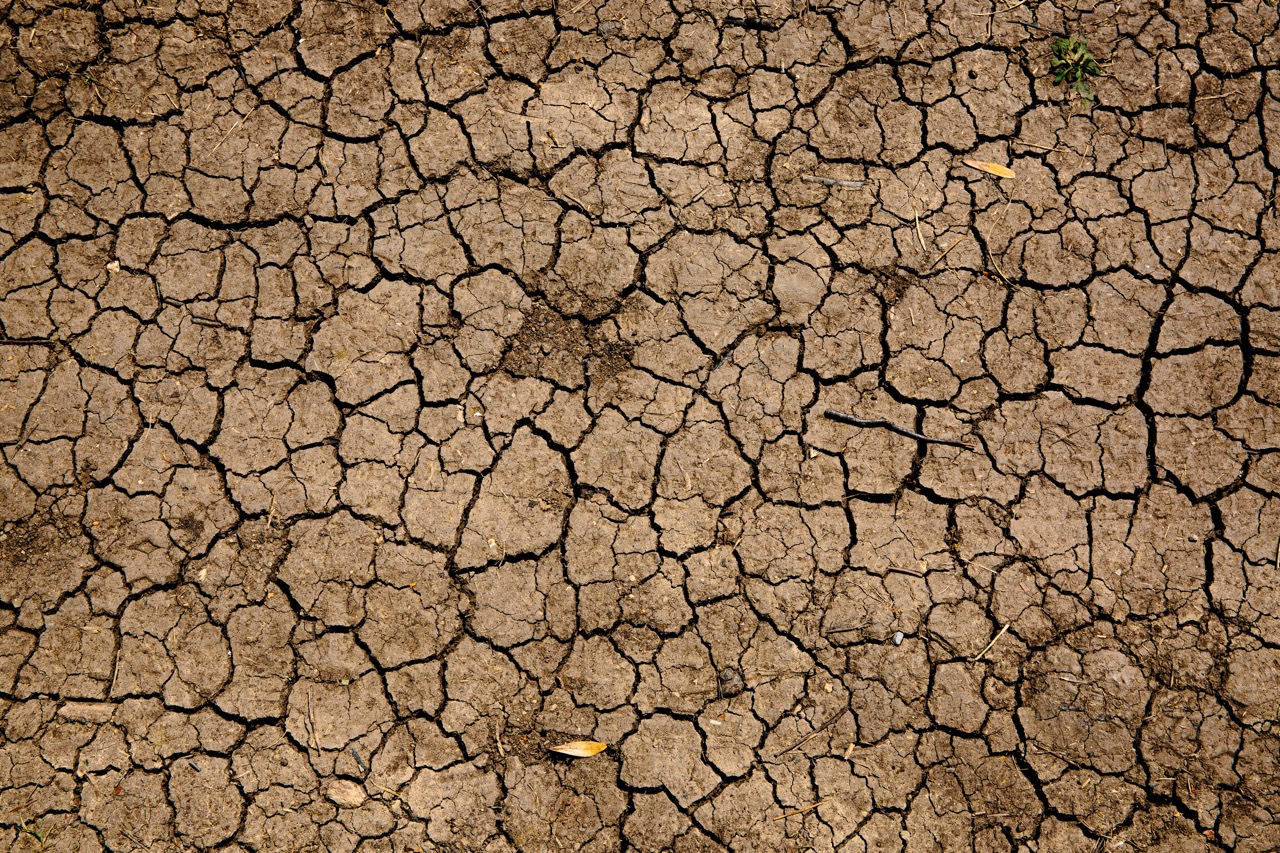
39	832
1072	63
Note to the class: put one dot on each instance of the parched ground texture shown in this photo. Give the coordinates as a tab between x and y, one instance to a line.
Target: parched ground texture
391	392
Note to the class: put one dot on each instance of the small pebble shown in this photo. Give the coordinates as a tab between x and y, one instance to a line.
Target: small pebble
731	683
898	637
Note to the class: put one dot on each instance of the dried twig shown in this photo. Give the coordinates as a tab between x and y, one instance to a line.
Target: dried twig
906	571
979	655
997	11
227	136
1058	755
837	715
146	845
1035	145
821	802
833	182
945	252
311	722
393	794
892	427
996	265
919	233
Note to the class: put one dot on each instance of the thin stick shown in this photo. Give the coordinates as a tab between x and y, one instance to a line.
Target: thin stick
227	136
1058	755
1084	156
892	427
311	723
833	182
388	791
976	565
998	11
1036	145
919	234
946	252
700	194
979	655
837	715
996	264
786	815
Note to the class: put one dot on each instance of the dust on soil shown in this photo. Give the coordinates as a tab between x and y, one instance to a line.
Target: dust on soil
391	392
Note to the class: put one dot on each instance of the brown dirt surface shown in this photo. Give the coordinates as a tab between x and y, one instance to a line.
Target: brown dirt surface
392	390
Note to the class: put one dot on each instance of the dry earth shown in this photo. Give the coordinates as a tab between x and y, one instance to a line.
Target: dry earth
390	392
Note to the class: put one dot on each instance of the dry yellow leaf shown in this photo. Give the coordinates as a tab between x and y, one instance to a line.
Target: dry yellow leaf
990	168
580	748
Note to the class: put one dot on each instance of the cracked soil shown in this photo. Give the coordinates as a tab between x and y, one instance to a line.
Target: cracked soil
390	391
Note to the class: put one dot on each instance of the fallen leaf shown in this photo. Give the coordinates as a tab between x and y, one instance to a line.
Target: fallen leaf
580	748
990	168
346	793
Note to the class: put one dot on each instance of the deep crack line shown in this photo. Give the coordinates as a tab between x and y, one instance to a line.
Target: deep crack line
892	427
